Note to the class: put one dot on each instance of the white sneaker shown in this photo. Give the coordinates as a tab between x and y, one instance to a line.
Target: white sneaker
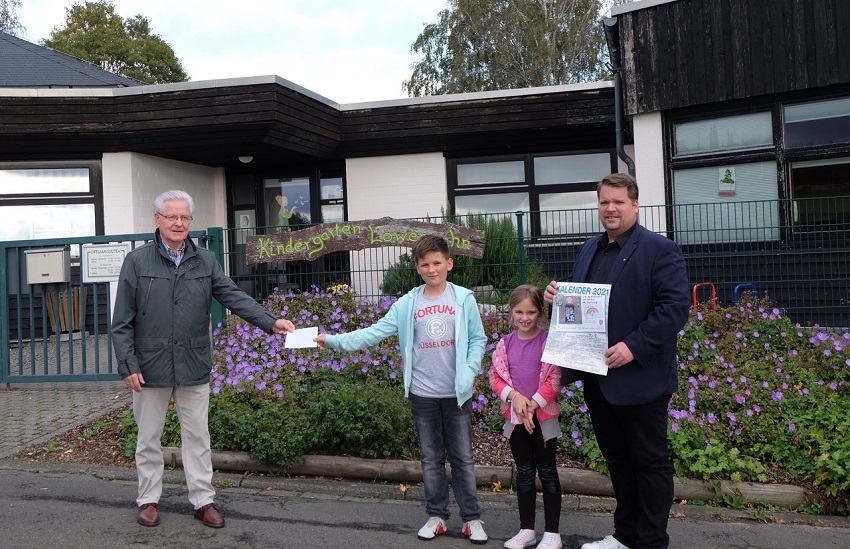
432	528
475	530
550	540
609	542
524	538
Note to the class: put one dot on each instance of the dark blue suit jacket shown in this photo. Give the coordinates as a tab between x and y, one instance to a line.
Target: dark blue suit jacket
648	306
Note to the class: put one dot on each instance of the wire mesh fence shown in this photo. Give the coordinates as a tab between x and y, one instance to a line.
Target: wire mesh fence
793	252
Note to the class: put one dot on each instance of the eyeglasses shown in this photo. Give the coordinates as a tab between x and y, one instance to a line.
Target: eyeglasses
174	218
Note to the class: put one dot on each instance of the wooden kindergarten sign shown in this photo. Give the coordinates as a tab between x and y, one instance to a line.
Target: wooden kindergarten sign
312	243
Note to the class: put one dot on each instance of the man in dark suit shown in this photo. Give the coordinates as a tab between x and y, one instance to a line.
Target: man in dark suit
648	306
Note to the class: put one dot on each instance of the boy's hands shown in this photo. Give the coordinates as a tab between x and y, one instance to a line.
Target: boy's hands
320	341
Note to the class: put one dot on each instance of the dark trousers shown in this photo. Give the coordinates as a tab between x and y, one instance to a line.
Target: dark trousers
633	440
534	456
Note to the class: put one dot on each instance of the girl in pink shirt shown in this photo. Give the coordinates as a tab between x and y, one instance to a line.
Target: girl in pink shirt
528	389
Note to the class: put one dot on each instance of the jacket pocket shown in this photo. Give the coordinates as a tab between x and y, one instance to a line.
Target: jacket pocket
153	355
196	288
198	362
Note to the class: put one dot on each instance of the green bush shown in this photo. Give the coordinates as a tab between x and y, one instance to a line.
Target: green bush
368	419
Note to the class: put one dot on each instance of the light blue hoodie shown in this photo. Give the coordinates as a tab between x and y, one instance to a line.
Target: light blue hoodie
469	338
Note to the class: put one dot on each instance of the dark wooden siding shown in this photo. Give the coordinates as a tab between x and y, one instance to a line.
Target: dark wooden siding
203	126
694	52
274	124
540	122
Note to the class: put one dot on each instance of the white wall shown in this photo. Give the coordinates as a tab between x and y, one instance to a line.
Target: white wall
400	187
649	168
649	158
131	181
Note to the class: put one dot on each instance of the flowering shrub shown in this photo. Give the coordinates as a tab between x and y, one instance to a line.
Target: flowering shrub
759	399
760	396
275	402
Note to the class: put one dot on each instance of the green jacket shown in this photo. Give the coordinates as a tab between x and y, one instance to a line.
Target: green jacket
161	321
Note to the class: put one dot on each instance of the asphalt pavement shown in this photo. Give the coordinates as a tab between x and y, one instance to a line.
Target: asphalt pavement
80	506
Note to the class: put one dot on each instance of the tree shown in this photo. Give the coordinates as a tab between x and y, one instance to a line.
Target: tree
480	45
9	17
93	32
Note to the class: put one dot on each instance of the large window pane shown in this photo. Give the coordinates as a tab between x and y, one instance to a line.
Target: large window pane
491	203
729	203
44	181
575	168
821	193
330	188
569	213
724	134
491	173
46	221
817	123
287	201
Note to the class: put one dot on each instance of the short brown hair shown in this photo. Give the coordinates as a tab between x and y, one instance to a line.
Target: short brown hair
623	180
427	244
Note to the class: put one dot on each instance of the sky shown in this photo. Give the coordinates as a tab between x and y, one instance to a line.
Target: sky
349	51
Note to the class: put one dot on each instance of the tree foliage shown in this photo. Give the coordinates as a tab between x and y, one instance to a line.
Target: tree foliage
93	32
9	17
480	45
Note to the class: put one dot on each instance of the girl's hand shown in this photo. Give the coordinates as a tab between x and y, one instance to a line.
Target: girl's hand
528	421
320	341
520	405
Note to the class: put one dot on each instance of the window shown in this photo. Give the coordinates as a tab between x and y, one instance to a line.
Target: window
332	196
287	201
761	176
728	133
541	184
727	203
820	190
50	200
817	123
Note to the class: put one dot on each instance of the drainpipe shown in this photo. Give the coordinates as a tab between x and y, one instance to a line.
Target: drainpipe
611	26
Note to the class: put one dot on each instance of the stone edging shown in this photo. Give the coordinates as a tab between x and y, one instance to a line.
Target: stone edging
573	481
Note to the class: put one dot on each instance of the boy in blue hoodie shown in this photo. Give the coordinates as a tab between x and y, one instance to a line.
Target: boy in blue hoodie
442	343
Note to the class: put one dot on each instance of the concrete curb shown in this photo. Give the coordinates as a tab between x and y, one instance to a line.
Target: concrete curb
573	481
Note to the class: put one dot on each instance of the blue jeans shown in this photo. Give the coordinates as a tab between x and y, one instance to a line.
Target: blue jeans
446	430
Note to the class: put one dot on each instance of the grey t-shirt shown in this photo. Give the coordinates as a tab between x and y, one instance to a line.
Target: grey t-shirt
433	372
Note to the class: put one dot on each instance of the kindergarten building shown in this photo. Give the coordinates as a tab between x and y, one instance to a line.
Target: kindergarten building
736	112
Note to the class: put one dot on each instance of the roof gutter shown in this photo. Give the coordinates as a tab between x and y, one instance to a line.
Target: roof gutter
611	26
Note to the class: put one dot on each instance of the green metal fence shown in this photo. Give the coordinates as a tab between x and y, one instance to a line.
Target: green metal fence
58	331
794	252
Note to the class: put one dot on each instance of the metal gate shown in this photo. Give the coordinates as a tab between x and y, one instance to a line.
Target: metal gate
61	330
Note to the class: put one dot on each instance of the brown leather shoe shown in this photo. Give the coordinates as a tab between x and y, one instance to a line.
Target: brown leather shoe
210	515
148	515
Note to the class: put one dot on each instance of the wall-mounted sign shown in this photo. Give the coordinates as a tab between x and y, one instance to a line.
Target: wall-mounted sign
727	182
312	243
102	262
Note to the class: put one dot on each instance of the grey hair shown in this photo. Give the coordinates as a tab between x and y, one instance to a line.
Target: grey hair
160	200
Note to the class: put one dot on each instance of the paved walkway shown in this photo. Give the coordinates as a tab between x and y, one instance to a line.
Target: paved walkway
32	413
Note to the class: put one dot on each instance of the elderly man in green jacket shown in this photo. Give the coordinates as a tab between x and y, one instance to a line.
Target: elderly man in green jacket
161	333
